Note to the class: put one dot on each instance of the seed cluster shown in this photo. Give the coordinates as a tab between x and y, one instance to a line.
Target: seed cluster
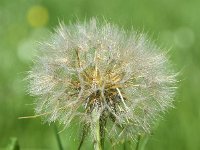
96	68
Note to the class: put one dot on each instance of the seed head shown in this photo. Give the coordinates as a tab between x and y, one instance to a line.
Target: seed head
97	71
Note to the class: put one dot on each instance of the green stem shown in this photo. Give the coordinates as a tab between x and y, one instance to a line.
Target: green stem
97	130
97	140
84	133
138	143
58	138
124	145
144	142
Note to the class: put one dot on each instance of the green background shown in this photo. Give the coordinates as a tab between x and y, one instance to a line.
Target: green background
172	24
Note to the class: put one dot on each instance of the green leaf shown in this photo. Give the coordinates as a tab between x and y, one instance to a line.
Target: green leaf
13	144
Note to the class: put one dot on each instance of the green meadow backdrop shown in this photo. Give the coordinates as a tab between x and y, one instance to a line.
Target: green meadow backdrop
172	24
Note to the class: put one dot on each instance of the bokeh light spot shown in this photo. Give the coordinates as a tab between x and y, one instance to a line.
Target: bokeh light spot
26	50
37	16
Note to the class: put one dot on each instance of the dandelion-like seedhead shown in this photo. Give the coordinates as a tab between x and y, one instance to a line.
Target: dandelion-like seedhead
97	72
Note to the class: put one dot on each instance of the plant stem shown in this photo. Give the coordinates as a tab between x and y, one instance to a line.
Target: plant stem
124	145
144	142
97	140
138	143
84	133
97	130
58	138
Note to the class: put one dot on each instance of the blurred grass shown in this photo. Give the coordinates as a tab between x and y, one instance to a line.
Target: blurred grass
172	24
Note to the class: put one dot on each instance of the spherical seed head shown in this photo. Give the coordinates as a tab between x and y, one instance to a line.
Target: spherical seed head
91	67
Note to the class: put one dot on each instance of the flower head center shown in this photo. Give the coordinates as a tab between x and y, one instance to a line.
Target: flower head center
104	87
